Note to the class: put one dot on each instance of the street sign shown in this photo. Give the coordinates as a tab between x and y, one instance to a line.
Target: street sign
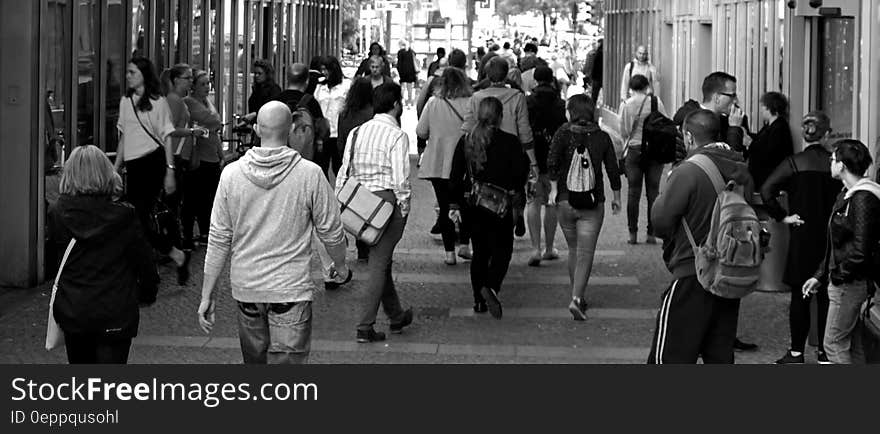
390	5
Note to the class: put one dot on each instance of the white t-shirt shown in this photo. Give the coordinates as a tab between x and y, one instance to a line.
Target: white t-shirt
135	141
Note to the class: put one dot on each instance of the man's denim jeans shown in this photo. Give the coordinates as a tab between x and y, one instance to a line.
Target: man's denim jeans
843	334
275	333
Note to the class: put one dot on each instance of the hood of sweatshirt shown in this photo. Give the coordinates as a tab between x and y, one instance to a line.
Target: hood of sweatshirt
268	167
729	162
864	184
93	217
590	127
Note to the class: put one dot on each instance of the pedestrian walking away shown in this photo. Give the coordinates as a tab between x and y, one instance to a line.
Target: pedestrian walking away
258	223
850	264
440	126
637	165
577	154
546	114
693	323
810	193
490	164
109	271
406	68
379	160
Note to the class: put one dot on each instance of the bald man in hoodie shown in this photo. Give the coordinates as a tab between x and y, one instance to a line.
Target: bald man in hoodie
268	205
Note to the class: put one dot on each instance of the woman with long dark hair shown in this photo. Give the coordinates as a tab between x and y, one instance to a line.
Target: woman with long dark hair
331	96
358	109
488	155
581	142
145	128
265	88
440	126
850	263
110	268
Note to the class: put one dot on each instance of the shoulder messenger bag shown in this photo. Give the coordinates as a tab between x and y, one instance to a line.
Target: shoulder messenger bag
54	335
364	214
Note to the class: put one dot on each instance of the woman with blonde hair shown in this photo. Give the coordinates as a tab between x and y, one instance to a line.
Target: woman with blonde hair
440	126
109	271
492	158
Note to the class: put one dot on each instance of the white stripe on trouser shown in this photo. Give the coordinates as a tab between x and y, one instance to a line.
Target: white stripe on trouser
661	327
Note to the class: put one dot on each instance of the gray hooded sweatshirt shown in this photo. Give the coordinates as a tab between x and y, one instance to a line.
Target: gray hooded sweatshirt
268	205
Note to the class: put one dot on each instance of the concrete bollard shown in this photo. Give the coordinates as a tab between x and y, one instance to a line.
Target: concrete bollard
773	267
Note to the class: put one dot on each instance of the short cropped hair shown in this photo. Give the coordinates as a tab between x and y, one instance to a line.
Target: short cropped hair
457	59
385	96
88	172
581	109
776	103
704	125
715	83
854	155
530	48
638	83
496	69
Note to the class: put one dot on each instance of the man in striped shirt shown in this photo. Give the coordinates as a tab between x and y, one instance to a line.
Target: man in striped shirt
377	155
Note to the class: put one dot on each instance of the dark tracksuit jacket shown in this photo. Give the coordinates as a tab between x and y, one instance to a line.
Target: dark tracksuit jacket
692	322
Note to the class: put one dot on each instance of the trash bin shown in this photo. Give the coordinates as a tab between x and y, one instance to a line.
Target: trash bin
773	267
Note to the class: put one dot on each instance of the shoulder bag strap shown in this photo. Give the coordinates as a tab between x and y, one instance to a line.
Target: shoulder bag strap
653	103
354	137
708	166
158	142
453	109
792	164
64	261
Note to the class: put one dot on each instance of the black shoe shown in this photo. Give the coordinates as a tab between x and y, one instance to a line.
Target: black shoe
203	240
404	321
183	269
789	359
436	229
492	302
520	229
744	346
480	307
368	336
187	245
822	358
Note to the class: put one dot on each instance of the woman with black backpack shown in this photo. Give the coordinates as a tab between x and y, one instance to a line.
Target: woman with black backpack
577	152
489	164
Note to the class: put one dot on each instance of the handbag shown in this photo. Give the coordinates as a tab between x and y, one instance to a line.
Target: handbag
488	196
162	221
364	214
54	335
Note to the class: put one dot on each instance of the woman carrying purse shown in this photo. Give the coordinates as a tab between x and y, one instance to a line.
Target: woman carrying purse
491	165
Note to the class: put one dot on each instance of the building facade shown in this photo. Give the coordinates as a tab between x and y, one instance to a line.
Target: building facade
825	58
63	74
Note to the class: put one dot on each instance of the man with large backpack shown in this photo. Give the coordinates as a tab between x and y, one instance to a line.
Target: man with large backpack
694	211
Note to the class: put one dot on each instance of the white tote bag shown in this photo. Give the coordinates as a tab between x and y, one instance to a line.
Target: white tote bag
54	335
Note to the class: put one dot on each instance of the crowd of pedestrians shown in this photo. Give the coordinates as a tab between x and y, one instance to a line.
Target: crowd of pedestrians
503	153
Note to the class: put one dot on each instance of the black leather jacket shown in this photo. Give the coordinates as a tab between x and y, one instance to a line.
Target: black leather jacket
853	233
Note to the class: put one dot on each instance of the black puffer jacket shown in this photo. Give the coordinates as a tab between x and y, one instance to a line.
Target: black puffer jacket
854	237
109	271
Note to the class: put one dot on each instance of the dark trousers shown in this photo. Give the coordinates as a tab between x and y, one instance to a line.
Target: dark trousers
329	154
96	348
594	91
199	187
799	317
145	180
492	243
638	171
693	323
380	285
441	189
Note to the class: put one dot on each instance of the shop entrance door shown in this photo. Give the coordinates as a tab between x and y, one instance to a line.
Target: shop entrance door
836	73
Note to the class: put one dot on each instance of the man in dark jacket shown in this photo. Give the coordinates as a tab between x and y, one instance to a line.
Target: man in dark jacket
295	97
593	70
719	97
546	115
692	322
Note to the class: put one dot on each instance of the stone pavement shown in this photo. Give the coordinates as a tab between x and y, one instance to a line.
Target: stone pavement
623	295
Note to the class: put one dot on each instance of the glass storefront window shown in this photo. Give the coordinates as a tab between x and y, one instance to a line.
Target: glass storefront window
837	73
87	58
115	76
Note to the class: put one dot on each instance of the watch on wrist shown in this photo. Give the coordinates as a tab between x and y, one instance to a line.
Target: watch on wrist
170	166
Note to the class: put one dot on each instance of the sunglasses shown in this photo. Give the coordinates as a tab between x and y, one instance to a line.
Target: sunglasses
731	95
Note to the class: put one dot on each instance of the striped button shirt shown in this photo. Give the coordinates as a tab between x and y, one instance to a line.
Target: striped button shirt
381	159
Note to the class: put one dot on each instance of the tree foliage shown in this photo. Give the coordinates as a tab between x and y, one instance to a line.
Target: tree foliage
507	8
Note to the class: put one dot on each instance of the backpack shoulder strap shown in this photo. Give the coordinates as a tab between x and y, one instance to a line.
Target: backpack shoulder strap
708	166
653	103
632	64
354	137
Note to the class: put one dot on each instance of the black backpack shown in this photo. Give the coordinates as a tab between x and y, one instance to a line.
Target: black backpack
659	135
